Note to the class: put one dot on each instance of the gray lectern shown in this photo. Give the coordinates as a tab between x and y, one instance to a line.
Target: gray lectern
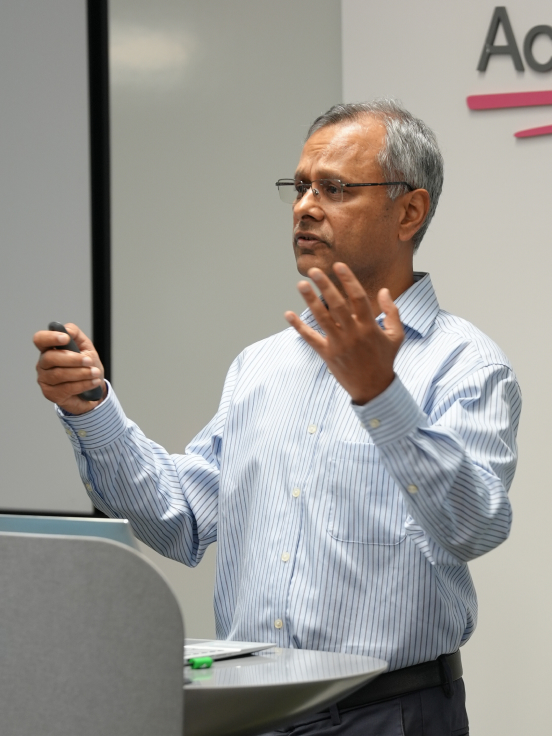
91	640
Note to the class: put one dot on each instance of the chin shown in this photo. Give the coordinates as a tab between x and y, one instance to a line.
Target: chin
306	261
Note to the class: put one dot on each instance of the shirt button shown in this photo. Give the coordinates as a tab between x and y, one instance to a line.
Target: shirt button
285	556
329	371
82	433
69	432
278	623
412	488
374	423
88	486
296	492
312	428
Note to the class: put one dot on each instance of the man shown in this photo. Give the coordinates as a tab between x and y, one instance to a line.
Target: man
358	459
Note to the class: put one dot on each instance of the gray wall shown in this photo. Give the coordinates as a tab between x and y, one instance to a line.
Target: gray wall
210	103
44	236
489	253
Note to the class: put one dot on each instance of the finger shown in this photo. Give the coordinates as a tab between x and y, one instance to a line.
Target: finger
312	337
63	358
48	339
57	376
63	392
392	321
321	314
337	305
358	298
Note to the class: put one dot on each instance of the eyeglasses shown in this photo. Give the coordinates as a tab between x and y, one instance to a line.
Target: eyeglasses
292	191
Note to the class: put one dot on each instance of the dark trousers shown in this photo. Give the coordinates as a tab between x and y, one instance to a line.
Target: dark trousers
421	713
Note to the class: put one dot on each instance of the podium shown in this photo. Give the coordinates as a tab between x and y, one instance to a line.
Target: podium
92	640
92	645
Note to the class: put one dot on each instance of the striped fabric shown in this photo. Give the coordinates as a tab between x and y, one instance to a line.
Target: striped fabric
339	528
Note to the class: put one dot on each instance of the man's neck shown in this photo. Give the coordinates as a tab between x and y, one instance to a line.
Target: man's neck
397	283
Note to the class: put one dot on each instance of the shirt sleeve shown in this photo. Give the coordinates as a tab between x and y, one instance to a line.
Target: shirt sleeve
171	501
454	466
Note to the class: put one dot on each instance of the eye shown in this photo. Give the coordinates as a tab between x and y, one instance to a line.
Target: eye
301	188
332	189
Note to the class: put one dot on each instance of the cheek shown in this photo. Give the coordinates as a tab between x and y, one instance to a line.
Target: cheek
349	233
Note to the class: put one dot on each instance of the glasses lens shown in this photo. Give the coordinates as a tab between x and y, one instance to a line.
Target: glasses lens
329	189
332	189
287	190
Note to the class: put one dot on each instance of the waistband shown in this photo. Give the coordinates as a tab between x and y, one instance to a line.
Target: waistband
442	671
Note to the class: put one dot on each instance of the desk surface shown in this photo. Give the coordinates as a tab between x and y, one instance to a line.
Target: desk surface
254	694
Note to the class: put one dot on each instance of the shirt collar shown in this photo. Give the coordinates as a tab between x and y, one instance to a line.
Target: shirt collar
418	306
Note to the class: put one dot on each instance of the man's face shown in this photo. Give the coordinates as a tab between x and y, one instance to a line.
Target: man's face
362	230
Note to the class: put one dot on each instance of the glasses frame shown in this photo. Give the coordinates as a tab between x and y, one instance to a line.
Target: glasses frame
316	193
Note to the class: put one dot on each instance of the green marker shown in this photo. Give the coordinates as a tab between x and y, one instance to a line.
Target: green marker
200	663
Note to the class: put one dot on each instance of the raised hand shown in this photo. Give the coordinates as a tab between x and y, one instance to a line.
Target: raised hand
357	351
62	374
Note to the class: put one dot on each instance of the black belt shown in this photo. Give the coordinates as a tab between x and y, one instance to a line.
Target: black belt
442	671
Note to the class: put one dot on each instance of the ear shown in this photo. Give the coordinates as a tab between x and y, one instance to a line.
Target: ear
413	212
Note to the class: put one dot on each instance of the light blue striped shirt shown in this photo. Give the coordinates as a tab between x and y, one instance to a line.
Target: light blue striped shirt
339	527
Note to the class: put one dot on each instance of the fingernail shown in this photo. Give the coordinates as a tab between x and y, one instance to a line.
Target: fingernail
303	287
61	337
86	360
97	381
340	268
95	372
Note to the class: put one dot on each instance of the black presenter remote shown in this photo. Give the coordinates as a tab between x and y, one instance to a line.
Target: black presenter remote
93	394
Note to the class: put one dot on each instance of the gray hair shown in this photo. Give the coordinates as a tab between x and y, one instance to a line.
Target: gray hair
410	151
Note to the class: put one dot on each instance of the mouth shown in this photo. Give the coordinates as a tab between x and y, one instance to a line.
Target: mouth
307	241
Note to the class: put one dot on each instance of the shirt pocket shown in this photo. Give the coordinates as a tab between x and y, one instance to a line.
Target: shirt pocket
366	506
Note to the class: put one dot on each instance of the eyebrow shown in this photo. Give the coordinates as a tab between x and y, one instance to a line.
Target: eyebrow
324	174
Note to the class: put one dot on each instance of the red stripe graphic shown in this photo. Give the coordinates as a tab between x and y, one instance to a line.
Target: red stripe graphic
514	99
544	130
509	99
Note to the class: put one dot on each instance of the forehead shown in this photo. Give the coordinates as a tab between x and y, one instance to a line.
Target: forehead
343	150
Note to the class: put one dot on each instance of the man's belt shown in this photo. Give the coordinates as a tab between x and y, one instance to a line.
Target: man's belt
442	671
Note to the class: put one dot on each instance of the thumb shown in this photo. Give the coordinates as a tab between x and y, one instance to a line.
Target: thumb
83	342
392	321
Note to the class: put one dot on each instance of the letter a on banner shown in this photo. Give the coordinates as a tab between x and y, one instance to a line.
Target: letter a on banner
500	15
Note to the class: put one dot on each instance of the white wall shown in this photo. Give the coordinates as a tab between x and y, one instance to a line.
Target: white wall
44	237
210	103
489	252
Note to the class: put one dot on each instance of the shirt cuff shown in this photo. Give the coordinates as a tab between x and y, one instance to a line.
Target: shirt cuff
392	415
97	428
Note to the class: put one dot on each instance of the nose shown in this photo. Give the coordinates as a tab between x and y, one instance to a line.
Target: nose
308	205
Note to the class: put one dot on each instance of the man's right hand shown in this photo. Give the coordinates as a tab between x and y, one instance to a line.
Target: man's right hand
62	374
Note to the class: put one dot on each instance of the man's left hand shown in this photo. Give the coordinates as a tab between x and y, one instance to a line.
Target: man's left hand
356	350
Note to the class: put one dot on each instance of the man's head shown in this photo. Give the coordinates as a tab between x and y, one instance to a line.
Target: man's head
373	230
410	152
